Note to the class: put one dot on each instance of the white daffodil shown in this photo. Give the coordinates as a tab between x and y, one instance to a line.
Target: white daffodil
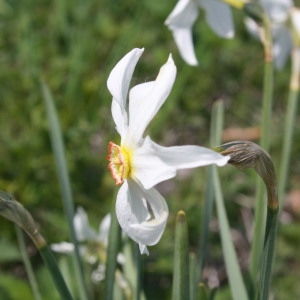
280	13
181	20
138	164
92	244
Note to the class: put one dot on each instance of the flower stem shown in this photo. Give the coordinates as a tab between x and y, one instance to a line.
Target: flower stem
215	139
180	289
112	252
290	118
27	263
260	202
51	264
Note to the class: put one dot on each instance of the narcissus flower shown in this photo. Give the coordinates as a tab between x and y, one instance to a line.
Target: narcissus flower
138	164
182	18
284	19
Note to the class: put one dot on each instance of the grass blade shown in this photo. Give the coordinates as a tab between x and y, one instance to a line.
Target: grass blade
65	186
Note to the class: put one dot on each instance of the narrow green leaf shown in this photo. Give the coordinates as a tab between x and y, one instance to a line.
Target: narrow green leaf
193	275
236	282
180	289
65	186
59	281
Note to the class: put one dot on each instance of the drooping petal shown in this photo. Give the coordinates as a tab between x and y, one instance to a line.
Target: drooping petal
118	85
142	214
282	46
149	105
180	22
219	17
82	228
153	163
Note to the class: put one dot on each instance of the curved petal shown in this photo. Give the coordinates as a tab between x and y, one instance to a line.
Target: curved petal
181	21
147	107
141	213
118	85
218	16
282	46
82	228
252	27
120	76
184	41
153	163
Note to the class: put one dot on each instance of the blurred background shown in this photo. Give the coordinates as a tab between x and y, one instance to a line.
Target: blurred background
73	46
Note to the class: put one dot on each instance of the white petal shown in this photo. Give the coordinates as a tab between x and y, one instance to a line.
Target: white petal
153	163
181	21
147	107
218	16
277	10
184	41
282	46
104	229
183	15
120	117
120	77
252	27
132	207
82	228
118	85
295	17
63	247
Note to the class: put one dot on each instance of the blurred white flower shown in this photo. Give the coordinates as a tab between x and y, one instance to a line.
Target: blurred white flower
138	164
93	244
180	22
284	19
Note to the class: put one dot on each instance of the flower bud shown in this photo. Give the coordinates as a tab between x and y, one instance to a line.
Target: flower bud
245	154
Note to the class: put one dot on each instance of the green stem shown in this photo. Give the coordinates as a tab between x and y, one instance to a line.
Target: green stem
236	282
180	289
112	252
65	186
260	202
290	118
268	253
215	139
55	273
27	263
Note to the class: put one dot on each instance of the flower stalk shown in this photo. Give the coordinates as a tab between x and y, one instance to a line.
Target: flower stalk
16	213
245	154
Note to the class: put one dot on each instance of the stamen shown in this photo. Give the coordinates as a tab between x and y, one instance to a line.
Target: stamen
119	162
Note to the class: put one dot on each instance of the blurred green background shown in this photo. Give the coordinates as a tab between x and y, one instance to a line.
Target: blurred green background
73	45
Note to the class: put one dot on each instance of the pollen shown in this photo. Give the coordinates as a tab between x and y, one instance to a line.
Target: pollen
119	162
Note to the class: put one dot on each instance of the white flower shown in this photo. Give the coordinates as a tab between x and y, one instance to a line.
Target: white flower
280	12
180	22
92	244
138	164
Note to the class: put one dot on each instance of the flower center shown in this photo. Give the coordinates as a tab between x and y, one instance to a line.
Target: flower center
119	162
